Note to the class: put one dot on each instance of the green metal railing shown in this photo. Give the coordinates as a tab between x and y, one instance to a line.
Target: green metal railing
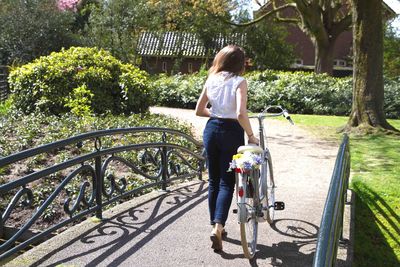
4	90
99	170
331	229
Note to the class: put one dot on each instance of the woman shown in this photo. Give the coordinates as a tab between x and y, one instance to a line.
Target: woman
226	91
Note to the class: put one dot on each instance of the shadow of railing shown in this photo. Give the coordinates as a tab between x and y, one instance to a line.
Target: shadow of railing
111	234
376	224
92	174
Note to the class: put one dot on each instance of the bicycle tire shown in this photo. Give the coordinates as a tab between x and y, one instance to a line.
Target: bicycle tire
270	190
249	229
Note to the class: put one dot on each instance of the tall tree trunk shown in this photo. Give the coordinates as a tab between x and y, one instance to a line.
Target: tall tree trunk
324	57
367	108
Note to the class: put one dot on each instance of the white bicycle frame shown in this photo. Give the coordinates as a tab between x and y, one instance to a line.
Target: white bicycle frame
243	212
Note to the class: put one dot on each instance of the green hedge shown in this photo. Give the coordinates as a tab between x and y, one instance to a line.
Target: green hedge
299	92
180	91
80	80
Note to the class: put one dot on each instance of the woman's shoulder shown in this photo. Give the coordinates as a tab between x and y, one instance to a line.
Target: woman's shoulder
224	77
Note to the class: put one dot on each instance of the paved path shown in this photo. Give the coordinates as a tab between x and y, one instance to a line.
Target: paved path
171	229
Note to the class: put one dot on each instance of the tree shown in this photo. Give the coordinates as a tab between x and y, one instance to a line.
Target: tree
322	21
266	45
368	94
115	26
29	29
195	16
391	52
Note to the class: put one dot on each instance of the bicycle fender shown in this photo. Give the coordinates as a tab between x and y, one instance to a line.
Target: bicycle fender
241	197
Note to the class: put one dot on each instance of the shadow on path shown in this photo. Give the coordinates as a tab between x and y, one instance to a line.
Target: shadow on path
126	226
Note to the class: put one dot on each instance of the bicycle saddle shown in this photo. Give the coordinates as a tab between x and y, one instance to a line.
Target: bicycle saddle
250	148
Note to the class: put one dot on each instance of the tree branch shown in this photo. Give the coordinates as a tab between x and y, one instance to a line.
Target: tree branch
267	14
258	3
287	20
342	25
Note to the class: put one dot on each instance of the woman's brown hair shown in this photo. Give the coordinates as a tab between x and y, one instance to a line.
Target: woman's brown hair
230	58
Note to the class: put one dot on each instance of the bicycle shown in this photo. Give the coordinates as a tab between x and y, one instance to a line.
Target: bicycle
255	185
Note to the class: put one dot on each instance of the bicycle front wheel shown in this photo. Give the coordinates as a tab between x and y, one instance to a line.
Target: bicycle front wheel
249	228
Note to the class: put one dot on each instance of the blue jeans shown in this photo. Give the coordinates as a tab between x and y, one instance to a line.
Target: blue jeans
221	139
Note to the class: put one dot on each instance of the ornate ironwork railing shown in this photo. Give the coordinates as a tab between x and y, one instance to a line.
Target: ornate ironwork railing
331	229
81	175
4	90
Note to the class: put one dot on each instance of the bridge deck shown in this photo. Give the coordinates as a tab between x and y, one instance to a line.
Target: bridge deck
171	229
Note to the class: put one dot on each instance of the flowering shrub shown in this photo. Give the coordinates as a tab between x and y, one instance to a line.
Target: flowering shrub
67	4
245	162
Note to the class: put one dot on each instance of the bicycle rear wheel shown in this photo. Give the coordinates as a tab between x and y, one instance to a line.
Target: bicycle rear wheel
270	192
249	228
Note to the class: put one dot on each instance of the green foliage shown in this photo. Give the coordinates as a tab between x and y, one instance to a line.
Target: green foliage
43	129
55	84
267	46
391	52
392	97
6	106
179	90
299	92
79	101
29	29
115	26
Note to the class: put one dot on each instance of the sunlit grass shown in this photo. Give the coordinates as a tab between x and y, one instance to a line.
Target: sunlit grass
375	168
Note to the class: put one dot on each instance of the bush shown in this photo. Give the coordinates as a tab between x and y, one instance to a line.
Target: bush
180	91
80	80
392	98
299	92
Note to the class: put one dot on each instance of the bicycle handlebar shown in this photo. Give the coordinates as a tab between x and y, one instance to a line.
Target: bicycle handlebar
266	113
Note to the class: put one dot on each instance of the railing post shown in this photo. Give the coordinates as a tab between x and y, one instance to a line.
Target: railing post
1	225
200	169
164	163
99	188
99	180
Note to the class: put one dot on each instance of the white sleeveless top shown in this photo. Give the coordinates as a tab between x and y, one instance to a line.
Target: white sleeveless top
221	93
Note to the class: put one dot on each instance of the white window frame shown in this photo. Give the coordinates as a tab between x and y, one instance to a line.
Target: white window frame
339	62
190	67
298	61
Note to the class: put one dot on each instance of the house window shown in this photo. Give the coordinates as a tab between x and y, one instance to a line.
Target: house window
190	67
164	66
298	61
339	62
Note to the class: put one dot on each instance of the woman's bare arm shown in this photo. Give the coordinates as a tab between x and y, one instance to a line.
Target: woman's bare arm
241	111
201	106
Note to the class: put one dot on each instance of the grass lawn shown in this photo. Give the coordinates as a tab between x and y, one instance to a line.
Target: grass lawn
375	169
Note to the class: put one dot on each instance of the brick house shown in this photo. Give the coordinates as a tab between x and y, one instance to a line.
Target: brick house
305	52
173	52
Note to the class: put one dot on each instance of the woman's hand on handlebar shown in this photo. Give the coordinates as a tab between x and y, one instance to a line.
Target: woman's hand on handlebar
254	140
